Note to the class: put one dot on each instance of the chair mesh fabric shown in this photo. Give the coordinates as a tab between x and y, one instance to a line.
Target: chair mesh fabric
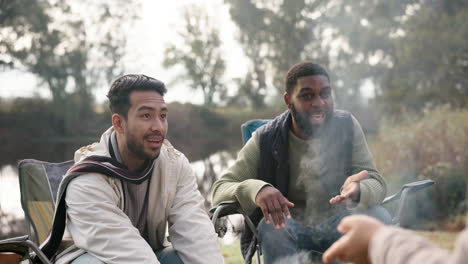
39	183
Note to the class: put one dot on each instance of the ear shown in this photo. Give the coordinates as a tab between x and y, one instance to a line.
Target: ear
118	122
287	100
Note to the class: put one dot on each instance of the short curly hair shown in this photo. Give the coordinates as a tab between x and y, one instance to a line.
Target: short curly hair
301	69
119	92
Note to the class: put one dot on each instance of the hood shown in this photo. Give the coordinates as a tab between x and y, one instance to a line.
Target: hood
100	148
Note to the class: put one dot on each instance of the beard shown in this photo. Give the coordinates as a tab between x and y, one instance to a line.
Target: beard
303	121
138	149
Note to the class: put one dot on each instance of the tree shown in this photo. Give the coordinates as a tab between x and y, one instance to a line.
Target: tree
200	56
431	61
274	35
72	47
391	43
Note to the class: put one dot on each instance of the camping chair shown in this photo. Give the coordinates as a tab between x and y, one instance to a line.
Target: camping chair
233	207
39	183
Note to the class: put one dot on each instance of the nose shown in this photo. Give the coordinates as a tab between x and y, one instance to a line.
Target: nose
158	125
318	101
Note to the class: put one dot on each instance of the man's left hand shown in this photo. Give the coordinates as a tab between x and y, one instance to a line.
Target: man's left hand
350	189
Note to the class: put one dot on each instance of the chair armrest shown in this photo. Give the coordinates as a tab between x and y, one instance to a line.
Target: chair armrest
403	195
410	187
22	246
225	208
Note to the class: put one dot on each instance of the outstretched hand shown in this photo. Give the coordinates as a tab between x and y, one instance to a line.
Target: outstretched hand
272	202
353	246
350	189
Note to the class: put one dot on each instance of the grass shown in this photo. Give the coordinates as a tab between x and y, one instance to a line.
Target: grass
440	238
232	253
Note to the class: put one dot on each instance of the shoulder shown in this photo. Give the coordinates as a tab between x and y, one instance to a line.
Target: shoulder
342	114
276	127
170	151
171	156
91	187
343	119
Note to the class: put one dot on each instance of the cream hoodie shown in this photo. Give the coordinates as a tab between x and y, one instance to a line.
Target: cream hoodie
98	225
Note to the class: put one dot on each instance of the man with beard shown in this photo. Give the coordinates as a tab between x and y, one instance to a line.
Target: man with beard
125	191
302	172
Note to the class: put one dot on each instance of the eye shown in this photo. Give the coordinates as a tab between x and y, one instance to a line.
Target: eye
146	115
163	116
325	94
306	96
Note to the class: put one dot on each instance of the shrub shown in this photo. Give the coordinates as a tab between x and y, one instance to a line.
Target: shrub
428	146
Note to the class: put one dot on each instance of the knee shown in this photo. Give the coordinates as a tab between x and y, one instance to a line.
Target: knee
379	213
267	232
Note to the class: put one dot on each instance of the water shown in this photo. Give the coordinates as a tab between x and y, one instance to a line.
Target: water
9	191
207	171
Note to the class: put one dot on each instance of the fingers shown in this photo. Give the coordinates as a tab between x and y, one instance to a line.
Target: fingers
357	177
335	251
345	225
273	205
285	207
264	209
279	214
337	199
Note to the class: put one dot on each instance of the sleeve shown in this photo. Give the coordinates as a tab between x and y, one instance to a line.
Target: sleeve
397	246
98	226
374	188
238	183
190	230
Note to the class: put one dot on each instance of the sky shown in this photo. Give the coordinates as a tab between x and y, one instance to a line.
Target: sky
150	35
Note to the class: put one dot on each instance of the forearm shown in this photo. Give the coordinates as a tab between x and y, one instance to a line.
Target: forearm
190	229
374	188
397	246
243	192
98	226
371	193
238	183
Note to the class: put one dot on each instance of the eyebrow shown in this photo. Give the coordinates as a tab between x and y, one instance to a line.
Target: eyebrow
306	89
144	107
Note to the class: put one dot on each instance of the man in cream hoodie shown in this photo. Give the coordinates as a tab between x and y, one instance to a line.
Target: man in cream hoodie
126	192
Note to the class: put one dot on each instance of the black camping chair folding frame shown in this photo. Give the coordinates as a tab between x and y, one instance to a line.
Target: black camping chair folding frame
39	181
227	208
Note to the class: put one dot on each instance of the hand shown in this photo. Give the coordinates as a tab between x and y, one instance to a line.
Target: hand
273	203
353	246
350	189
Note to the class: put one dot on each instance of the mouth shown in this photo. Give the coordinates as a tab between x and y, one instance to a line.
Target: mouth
155	141
317	118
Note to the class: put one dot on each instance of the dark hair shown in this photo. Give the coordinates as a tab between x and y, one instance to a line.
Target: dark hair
119	92
305	68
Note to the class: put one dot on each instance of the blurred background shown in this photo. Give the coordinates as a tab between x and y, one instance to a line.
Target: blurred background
401	67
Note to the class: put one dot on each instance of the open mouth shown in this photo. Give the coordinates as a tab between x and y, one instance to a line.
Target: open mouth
317	118
155	142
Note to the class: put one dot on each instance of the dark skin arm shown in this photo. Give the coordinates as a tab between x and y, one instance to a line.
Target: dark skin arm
272	202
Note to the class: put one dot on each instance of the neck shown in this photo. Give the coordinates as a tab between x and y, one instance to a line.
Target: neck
128	158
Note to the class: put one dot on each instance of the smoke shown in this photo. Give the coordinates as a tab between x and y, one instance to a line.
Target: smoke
316	161
311	167
303	257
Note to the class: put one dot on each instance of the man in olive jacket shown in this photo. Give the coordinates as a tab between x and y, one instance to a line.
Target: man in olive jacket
303	171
